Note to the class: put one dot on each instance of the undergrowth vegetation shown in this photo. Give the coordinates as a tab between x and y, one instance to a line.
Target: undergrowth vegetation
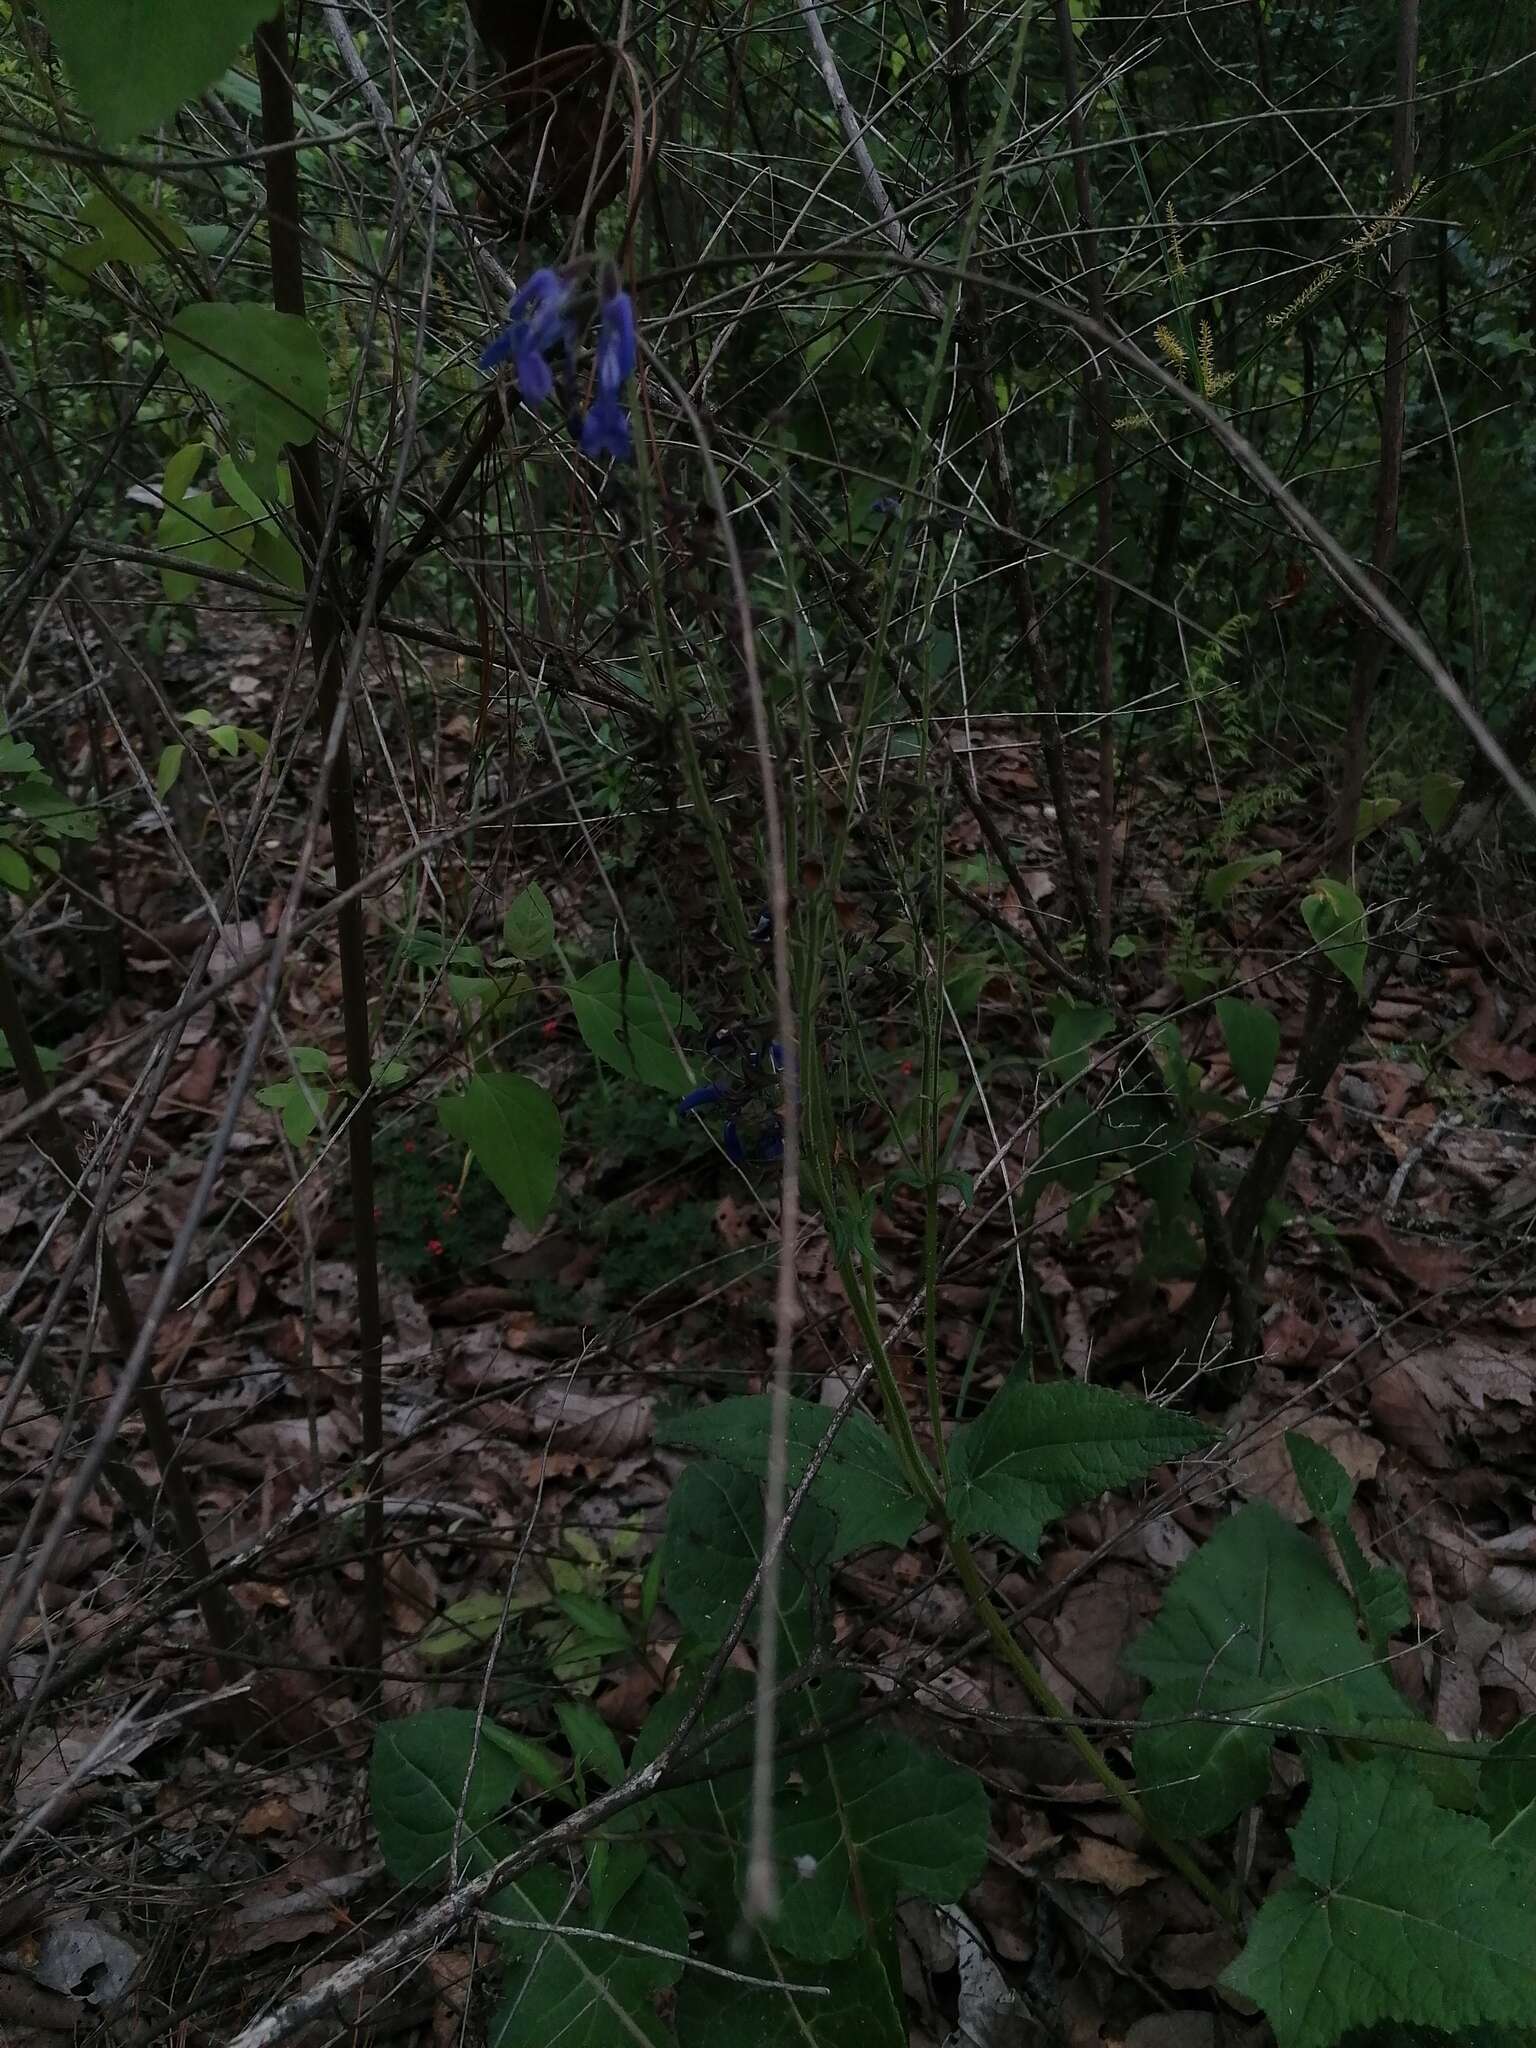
787	686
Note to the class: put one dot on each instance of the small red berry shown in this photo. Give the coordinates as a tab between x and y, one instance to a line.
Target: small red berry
409	1145
906	1066
550	1027
378	1213
435	1247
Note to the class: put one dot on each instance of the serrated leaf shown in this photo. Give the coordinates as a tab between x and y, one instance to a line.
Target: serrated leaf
629	1019
266	372
1335	917
1397	1910
860	1481
1325	1485
1220	884
1252	1034
512	1128
1507	1790
528	929
1037	1451
52	811
563	1985
156	55
857	2010
871	1820
712	1546
1254	1628
423	1770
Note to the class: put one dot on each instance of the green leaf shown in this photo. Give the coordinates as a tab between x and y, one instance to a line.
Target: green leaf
168	767
204	535
869	1820
179	472
1397	1910
1074	1033
513	1130
860	1480
1380	1591
309	1059
531	1758
1507	1790
1374	811
528	929
266	371
133	70
1439	794
1255	1628
565	1984
50	809
1325	1485
1335	917
629	1019
592	1741
712	1546
857	2011
300	1104
1222	881
1252	1033
131	231
423	1770
14	872
461	1628
18	757
1036	1452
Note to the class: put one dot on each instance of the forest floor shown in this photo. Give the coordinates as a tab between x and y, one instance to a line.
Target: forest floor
172	1872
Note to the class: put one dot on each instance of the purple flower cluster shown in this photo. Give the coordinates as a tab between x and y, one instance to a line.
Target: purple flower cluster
762	1142
541	324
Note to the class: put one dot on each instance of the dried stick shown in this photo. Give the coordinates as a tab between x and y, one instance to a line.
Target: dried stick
219	1614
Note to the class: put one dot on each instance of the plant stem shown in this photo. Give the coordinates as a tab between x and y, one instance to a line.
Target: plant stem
284	228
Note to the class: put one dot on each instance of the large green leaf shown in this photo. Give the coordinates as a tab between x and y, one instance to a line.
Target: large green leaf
711	1549
1508	1789
583	1984
513	1130
1397	1910
1254	1628
197	531
134	62
630	1020
860	1480
266	371
1335	917
1078	1028
1037	1451
872	1819
423	1770
855	2008
1252	1033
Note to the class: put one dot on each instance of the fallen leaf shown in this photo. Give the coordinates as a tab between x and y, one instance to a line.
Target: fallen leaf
1094	1861
1430	1268
268	1817
602	1425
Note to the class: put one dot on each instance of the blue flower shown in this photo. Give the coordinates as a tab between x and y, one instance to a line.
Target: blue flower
537	323
766	1146
605	430
615	344
703	1098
